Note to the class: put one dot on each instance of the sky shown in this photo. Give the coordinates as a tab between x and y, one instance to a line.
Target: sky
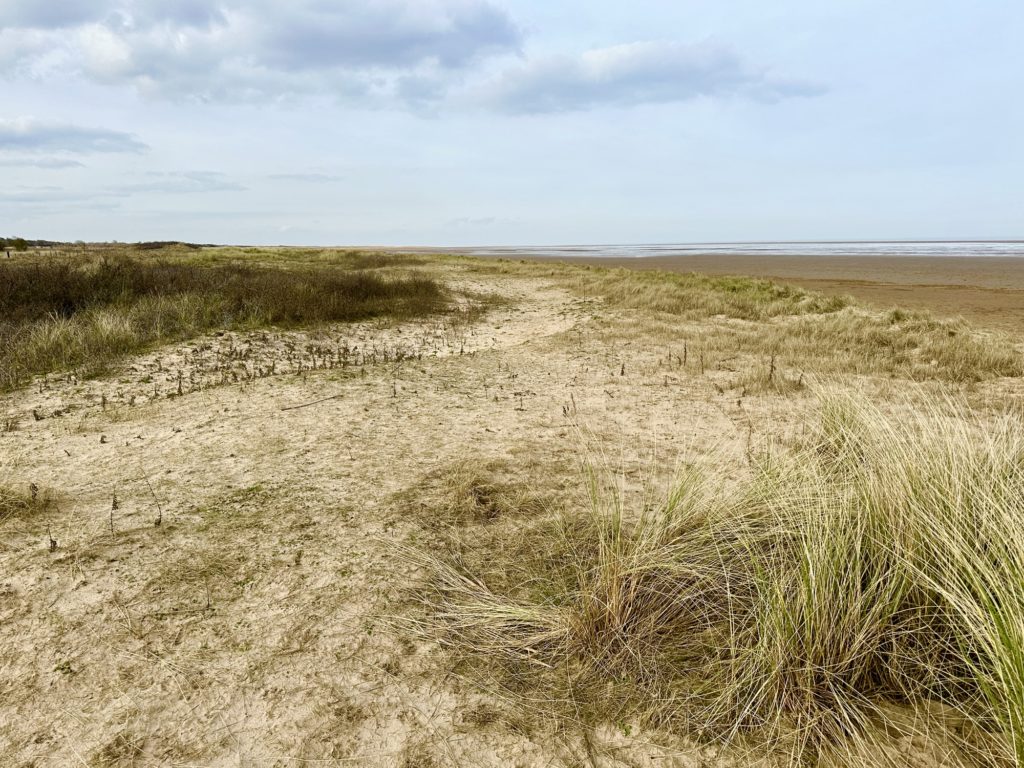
511	122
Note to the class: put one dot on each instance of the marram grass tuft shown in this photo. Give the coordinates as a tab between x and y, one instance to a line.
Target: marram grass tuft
860	593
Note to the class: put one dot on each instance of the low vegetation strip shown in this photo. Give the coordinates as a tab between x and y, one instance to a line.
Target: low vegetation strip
912	345
808	331
865	590
696	296
58	316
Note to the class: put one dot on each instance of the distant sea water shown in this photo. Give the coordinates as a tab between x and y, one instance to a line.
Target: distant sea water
987	248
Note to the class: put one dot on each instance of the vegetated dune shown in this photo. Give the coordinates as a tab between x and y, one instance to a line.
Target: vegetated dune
551	516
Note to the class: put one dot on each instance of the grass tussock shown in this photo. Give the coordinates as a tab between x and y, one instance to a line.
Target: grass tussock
15	504
697	296
470	492
859	595
63	315
795	332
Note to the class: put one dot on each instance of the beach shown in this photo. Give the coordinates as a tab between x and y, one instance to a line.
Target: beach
986	290
343	507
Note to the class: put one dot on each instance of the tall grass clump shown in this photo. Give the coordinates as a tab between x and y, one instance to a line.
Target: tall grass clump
14	503
60	315
857	593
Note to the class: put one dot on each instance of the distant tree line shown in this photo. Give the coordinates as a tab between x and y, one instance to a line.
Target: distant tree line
21	244
14	244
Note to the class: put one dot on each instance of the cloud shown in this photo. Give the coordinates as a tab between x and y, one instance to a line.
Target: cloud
66	14
185	182
389	33
40	162
51	195
29	135
311	178
636	73
177	183
49	15
414	54
241	50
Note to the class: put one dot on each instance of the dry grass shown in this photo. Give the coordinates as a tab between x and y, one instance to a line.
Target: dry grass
14	503
851	599
83	315
801	331
911	345
470	492
695	296
866	588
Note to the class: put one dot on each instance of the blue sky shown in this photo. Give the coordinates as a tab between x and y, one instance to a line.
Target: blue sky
459	122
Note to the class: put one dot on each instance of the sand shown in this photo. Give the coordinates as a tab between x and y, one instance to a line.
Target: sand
257	625
251	627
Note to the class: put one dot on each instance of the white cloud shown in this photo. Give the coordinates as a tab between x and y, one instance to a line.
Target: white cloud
257	49
634	73
185	182
105	54
417	54
49	163
30	135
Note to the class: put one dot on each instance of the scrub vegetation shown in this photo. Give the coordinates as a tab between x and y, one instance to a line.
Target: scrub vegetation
84	314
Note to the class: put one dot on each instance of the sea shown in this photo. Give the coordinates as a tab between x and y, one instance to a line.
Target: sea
961	248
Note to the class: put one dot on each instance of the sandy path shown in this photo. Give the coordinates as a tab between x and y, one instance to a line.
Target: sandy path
246	630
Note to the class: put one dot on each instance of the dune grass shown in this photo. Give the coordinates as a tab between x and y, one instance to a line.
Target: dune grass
898	344
696	296
804	332
914	345
858	593
85	314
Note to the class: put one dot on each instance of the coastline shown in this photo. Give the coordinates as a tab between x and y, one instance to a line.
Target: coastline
986	290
